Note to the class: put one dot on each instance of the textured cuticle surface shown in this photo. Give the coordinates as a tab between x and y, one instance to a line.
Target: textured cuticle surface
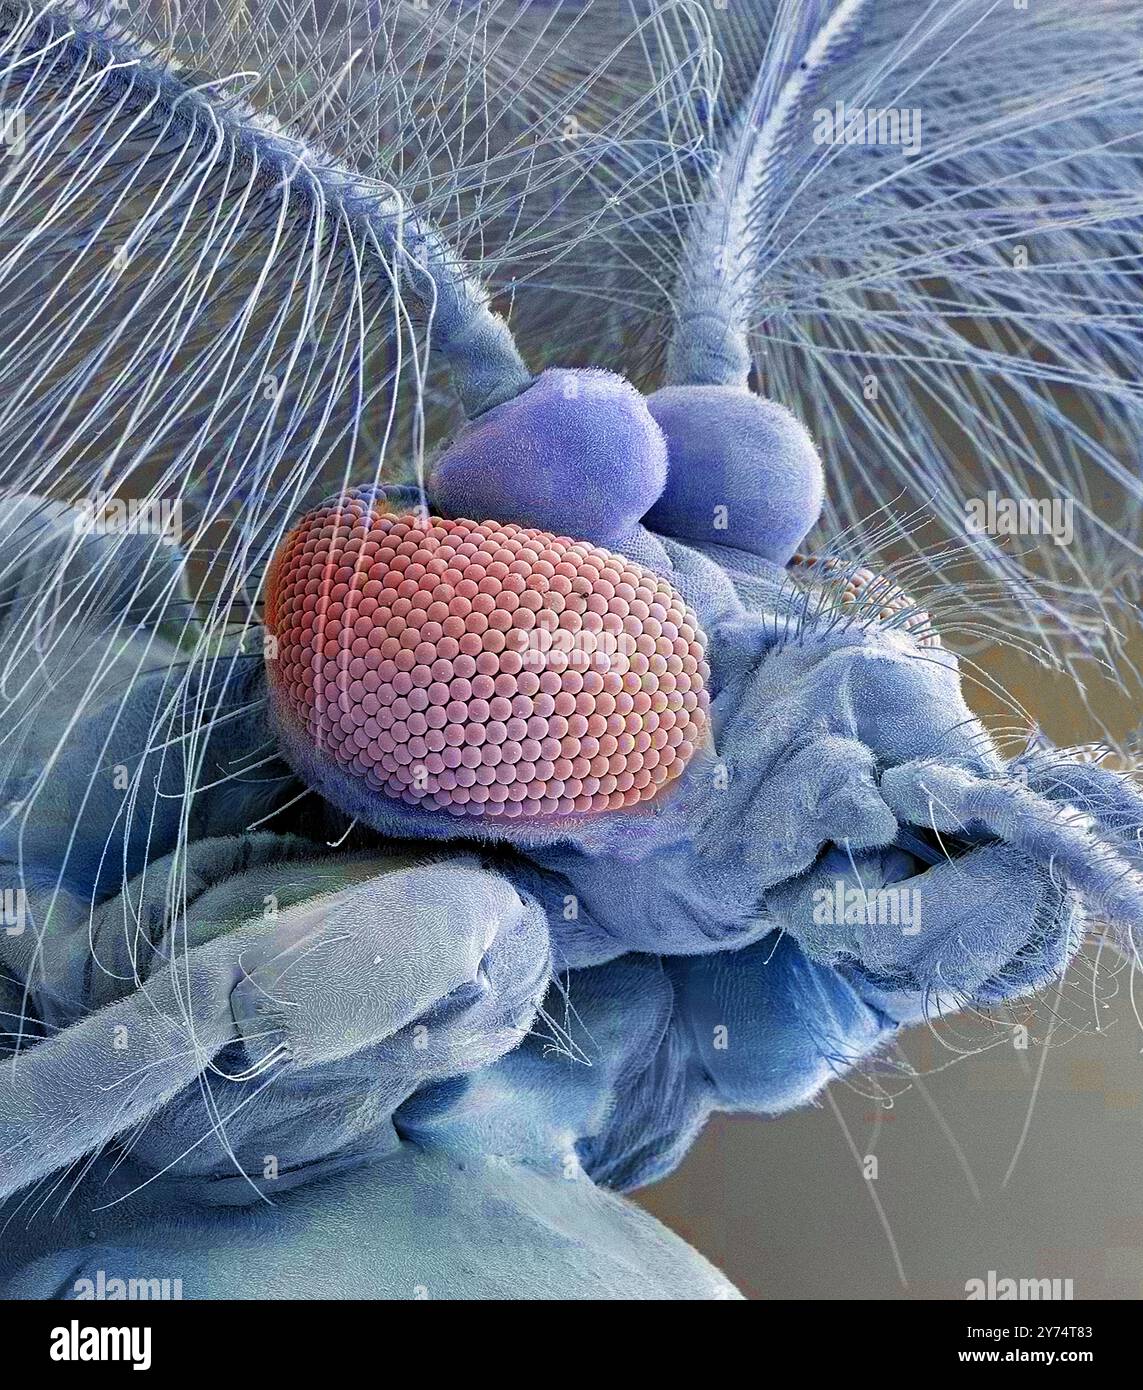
483	668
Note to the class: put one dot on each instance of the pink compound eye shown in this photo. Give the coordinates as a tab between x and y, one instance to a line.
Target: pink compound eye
483	668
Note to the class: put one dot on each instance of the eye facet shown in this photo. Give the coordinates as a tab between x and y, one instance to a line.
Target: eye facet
483	668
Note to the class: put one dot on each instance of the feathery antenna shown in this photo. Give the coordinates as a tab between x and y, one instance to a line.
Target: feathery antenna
485	365
709	346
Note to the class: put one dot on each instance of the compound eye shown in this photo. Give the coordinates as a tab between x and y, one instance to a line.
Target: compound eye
481	668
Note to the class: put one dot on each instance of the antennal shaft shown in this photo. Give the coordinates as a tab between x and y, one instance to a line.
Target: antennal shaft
709	346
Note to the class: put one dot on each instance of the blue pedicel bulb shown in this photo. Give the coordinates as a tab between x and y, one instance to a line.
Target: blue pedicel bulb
743	471
582	453
577	453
